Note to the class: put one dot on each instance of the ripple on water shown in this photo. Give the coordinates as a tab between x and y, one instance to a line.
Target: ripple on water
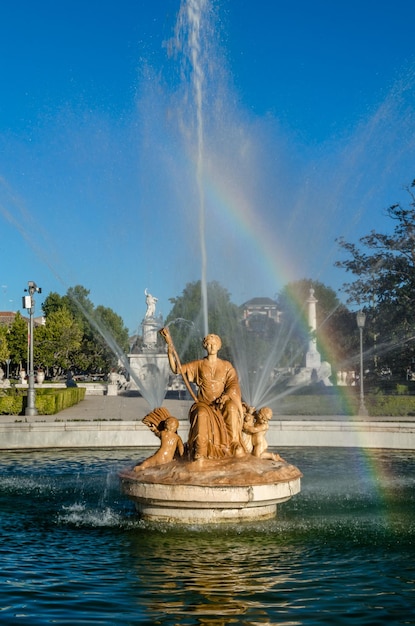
73	551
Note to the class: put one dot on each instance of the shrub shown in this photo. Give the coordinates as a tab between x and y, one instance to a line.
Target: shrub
48	401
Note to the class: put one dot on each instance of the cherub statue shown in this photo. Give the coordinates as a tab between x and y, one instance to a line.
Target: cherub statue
249	421
256	424
165	427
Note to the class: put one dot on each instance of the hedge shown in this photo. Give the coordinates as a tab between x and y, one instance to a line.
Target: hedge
48	401
377	405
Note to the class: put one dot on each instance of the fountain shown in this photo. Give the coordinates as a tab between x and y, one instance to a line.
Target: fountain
224	472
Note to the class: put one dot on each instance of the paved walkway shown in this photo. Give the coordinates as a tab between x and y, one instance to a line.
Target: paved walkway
133	408
122	407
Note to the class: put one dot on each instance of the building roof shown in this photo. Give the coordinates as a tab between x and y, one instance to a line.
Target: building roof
259	302
7	317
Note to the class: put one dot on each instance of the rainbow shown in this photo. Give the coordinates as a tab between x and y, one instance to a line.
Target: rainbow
230	207
232	211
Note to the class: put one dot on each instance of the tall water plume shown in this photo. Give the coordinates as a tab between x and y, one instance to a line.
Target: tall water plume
191	23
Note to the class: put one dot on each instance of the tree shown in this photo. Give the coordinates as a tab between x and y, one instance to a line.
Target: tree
4	346
78	302
186	324
56	344
112	335
17	340
54	302
384	267
104	338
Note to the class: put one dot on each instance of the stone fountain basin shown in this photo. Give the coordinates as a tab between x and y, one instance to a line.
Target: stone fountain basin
211	491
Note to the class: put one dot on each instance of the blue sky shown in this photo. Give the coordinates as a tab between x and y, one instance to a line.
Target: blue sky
308	135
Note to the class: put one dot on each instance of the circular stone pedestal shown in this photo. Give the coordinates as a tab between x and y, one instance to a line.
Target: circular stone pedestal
227	490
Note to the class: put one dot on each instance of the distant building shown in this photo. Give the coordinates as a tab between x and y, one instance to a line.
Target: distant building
7	319
258	312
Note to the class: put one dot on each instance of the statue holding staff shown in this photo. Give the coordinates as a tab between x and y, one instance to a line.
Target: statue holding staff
216	417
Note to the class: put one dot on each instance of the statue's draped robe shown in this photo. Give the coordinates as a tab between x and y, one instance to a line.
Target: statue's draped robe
214	432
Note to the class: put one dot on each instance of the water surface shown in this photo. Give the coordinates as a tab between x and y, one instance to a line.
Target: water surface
72	550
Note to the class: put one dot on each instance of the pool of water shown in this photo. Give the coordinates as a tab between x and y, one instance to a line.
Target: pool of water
72	550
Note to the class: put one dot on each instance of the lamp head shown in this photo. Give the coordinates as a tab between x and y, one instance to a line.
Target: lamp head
360	319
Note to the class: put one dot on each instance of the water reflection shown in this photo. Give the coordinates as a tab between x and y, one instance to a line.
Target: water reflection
342	550
214	573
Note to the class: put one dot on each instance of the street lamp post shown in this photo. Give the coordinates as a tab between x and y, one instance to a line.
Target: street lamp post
361	320
29	304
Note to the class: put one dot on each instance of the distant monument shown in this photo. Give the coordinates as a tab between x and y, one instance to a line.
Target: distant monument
315	370
148	360
151	324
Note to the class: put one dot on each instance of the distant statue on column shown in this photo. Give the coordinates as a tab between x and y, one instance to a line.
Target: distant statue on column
151	304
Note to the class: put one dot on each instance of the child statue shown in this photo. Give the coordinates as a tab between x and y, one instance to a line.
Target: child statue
171	443
256	425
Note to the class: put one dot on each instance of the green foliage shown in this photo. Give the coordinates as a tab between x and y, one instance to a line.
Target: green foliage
53	302
56	344
52	401
112	335
4	345
318	404
393	405
383	266
185	319
346	404
96	337
48	401
17	341
11	401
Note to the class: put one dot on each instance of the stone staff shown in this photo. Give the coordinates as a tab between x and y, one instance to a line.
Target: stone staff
165	333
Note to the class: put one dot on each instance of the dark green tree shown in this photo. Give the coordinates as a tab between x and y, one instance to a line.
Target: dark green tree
185	319
383	266
111	334
56	344
17	340
4	346
54	302
104	338
78	302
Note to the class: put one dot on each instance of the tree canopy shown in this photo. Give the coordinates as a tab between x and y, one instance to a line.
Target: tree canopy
17	340
383	266
186	324
79	335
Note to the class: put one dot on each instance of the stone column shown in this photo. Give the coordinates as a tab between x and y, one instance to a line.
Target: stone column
313	359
